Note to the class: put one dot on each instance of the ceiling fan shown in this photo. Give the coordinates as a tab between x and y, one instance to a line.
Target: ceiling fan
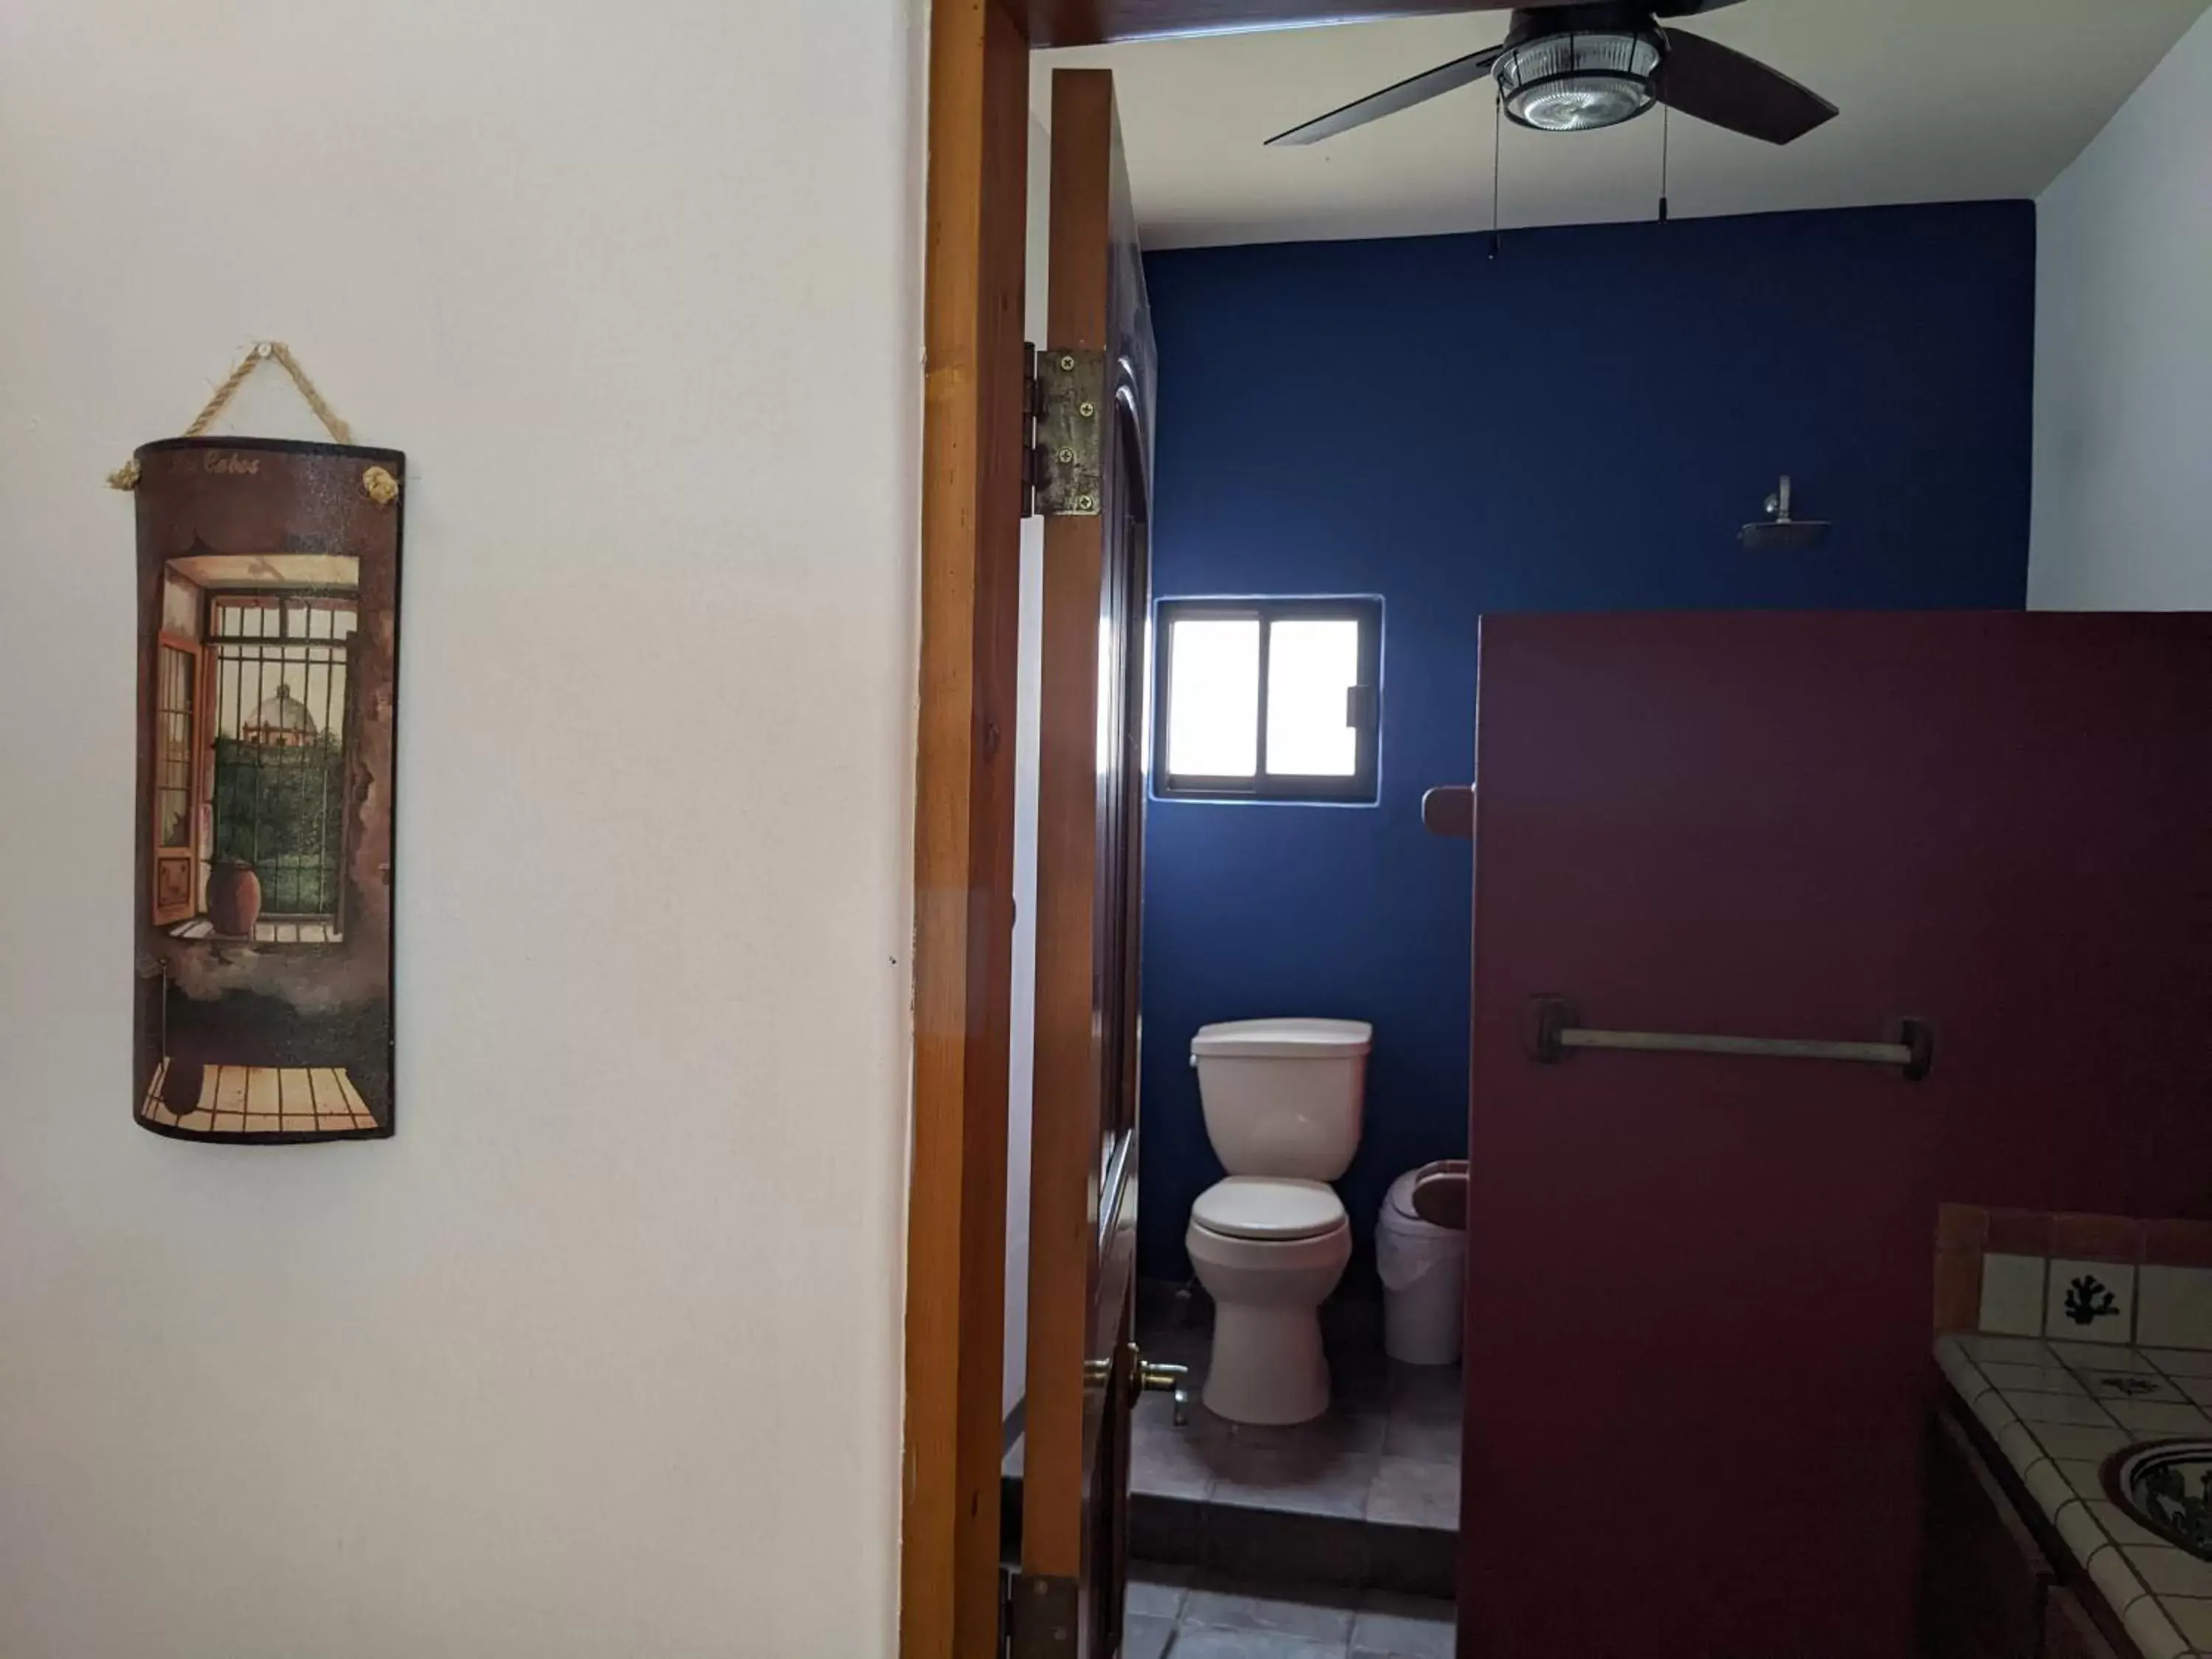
1569	65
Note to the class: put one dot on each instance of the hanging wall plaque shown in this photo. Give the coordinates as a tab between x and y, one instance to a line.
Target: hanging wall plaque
268	650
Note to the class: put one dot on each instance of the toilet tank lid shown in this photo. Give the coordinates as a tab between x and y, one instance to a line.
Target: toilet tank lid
1284	1039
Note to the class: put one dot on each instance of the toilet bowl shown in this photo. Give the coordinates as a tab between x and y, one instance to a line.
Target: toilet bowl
1282	1100
1269	1251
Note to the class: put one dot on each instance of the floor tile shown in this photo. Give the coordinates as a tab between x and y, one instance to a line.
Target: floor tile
1430	1441
1298	1482
1335	1430
1208	1641
1247	1609
1411	1493
1156	1592
1360	1381
1406	1627
1165	1465
1154	1414
2180	1362
1143	1637
1429	1394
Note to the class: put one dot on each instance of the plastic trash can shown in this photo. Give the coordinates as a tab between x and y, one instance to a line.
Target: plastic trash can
1424	1270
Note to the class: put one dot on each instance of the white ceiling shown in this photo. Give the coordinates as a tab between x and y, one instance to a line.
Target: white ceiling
1941	101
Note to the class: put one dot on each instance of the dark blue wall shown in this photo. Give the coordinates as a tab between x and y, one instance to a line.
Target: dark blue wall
1579	424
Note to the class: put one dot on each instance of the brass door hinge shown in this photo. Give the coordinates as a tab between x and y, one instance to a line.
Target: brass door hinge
1063	420
1041	1615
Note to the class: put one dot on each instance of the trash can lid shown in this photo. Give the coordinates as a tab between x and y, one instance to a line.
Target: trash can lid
1432	1195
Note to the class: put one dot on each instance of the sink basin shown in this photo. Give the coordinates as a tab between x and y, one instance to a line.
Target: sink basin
2167	1486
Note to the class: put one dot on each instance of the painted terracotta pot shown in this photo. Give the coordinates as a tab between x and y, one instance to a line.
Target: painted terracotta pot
233	898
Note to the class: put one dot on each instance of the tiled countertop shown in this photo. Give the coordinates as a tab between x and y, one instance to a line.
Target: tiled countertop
2057	1411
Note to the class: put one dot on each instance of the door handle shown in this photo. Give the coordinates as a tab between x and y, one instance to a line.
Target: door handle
1145	1376
1156	1376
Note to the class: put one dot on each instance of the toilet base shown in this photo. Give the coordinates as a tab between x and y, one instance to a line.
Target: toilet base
1268	1366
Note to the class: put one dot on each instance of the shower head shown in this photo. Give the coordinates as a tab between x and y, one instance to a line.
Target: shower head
1780	533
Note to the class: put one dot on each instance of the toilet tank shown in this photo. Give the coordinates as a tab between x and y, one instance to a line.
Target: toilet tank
1283	1096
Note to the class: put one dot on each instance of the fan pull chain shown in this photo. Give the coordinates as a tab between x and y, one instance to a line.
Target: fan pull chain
1496	148
1664	131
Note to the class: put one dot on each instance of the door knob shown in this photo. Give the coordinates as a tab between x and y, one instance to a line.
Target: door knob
1156	1376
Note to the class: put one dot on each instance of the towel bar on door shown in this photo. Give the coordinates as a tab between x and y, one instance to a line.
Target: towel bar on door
1555	1030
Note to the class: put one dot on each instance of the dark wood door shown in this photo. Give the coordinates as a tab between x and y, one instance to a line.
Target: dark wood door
1983	1581
1083	1197
2068	1633
1698	1311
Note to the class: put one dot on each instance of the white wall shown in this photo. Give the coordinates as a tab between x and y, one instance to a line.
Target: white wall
1029	697
601	1356
2124	354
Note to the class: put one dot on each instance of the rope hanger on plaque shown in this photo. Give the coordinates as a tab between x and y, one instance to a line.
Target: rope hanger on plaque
379	485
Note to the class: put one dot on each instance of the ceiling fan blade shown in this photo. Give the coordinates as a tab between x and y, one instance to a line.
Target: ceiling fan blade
1416	89
1687	8
1705	79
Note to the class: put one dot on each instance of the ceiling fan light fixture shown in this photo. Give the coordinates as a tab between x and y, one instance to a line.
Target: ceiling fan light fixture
1578	79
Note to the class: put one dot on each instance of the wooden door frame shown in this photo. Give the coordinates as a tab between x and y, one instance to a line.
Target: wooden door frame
977	211
973	370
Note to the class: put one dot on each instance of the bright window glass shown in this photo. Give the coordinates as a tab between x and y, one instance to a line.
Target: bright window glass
1213	702
1313	663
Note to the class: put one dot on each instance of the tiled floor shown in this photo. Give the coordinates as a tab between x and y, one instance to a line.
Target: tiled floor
1366	1497
1387	1450
265	1099
1172	1616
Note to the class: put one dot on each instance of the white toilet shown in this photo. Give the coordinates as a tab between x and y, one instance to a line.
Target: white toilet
1282	1099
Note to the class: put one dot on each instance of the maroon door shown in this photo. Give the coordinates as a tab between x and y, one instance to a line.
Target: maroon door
1699	1286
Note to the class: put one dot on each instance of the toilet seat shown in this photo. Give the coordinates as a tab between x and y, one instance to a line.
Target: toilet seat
1268	1209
